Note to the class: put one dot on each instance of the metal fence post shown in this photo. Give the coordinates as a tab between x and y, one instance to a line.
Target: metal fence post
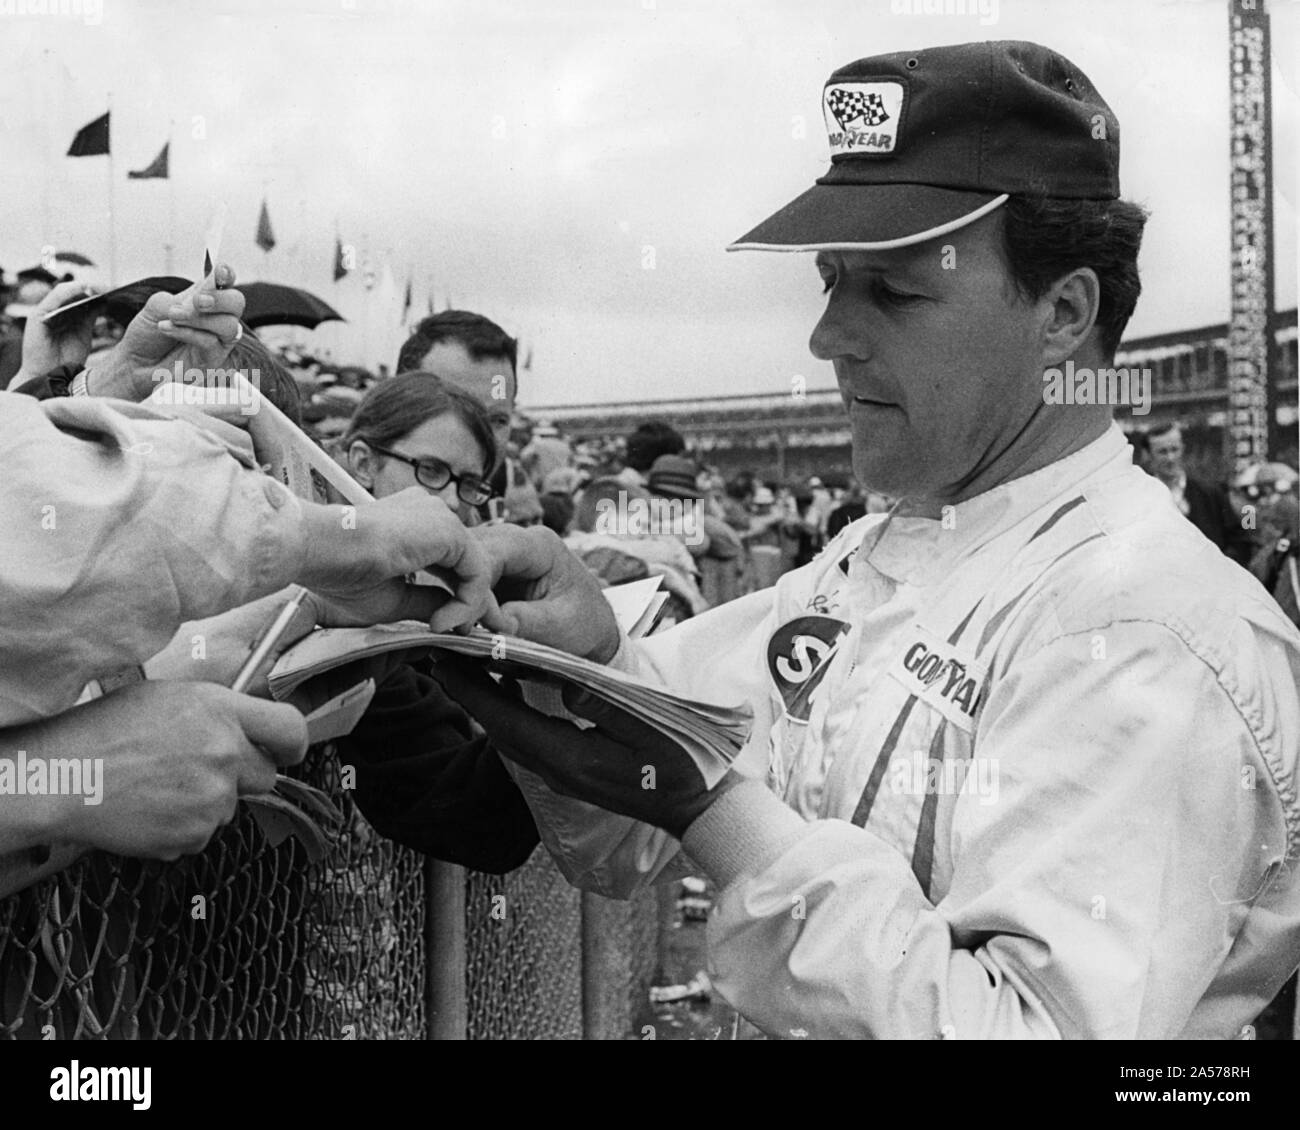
445	946
605	968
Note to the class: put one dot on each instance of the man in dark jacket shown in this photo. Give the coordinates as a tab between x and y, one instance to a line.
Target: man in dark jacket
1205	505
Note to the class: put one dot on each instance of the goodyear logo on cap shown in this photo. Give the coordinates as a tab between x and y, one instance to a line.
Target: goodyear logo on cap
862	117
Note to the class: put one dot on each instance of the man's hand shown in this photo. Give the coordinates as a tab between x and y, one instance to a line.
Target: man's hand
213	650
43	349
357	556
197	327
547	595
622	765
176	757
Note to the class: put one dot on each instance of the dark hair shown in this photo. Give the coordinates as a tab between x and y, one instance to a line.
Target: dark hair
1046	237
557	512
650	441
480	336
1163	429
741	487
273	380
597	491
394	408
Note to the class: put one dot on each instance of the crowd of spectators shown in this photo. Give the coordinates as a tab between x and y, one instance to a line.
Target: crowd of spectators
759	525
1254	519
763	526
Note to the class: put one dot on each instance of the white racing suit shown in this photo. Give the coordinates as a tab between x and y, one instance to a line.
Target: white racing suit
1030	771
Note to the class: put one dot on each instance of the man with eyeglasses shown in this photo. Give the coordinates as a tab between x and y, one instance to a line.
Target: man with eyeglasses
425	775
433	473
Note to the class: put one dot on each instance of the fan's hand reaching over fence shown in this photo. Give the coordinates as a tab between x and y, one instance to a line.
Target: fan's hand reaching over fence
161	766
546	594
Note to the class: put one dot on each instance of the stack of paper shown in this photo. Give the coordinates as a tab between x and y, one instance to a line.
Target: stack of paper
713	735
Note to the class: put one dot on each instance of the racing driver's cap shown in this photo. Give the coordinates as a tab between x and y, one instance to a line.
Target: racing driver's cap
926	142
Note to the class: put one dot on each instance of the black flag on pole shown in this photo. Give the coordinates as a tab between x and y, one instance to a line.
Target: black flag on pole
265	236
91	139
155	170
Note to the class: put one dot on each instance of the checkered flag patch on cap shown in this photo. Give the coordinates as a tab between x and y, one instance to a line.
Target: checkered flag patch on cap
850	105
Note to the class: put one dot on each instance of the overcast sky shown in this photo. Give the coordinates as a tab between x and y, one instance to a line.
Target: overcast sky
572	169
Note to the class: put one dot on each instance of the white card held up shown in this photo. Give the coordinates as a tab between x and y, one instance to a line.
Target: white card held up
634	604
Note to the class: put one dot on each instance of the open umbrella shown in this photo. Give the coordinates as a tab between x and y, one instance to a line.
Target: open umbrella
270	304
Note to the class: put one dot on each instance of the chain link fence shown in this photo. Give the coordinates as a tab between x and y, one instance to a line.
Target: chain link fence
243	941
524	959
250	941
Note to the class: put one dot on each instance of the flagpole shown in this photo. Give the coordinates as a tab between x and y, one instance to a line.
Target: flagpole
338	253
171	201
47	236
263	211
112	219
299	333
365	299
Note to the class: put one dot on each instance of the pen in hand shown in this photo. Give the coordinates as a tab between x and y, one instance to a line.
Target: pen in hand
269	639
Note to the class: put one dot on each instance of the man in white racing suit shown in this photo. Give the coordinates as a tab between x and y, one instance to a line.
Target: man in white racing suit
1023	761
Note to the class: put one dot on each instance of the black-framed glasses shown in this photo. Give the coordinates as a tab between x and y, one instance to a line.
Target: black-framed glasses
435	474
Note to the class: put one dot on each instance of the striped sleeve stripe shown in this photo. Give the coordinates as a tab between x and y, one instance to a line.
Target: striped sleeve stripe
1003	612
863	811
1060	513
923	850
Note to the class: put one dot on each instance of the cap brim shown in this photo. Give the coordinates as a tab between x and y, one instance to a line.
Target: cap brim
867	217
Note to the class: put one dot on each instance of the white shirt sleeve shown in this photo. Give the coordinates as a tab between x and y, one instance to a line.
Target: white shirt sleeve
119	523
1097	897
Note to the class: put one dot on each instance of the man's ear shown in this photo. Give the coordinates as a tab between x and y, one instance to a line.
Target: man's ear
363	463
1071	306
